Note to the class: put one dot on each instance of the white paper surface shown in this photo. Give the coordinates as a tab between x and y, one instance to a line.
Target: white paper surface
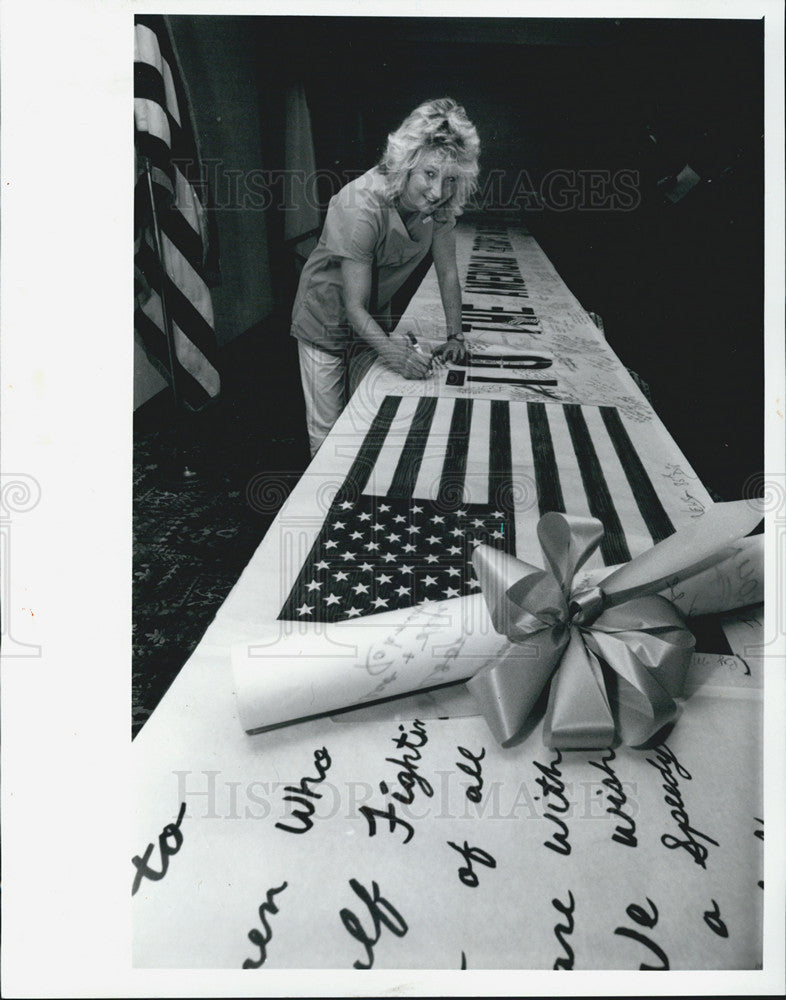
274	845
538	815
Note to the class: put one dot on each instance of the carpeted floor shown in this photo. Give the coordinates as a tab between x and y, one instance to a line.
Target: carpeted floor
192	541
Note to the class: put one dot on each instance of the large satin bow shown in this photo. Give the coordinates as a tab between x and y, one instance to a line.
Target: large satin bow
620	651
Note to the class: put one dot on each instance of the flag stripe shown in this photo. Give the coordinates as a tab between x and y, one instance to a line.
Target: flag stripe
526	510
187	355
451	486
546	474
154	340
476	480
406	474
430	474
385	466
360	470
614	548
501	465
636	534
180	307
655	517
165	136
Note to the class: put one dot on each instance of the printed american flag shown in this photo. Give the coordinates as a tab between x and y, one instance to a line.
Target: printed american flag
435	475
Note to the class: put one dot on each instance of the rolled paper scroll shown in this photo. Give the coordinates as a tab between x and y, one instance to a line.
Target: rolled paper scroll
296	670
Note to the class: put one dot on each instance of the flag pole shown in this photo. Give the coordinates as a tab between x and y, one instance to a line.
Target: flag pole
183	474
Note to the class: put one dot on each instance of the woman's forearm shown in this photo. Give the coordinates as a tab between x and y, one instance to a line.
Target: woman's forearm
367	328
450	292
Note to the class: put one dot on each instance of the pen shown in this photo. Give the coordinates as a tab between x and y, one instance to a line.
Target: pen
418	348
414	342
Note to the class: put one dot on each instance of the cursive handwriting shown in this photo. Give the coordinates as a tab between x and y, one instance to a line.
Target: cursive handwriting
561	930
143	869
624	833
473	792
470	855
668	765
303	795
389	814
262	940
649	920
408	776
712	919
552	785
381	911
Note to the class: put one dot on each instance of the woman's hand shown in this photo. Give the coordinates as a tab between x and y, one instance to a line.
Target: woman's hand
399	353
450	352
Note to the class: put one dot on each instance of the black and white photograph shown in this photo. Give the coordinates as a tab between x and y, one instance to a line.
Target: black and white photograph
431	545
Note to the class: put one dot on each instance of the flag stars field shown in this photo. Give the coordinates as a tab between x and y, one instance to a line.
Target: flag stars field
432	565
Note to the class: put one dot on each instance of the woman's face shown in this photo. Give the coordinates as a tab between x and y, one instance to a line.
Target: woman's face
430	183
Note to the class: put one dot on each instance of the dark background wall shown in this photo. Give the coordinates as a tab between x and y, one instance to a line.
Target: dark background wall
679	286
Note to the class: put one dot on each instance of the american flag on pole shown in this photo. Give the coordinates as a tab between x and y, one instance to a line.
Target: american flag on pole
165	137
433	476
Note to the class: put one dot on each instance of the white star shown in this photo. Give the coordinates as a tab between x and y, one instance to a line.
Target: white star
409	547
304	609
339	524
371	545
330	544
405	569
365	516
346	505
356	534
454	550
432	540
417	510
353	612
497	534
432	558
313	585
384	578
360	588
322	564
341	575
436	519
474	583
497	513
429	581
457	531
388	557
377	527
477	523
451	592
413	529
347	555
380	602
366	566
399	519
402	590
454	571
463	513
394	538
331	599
384	508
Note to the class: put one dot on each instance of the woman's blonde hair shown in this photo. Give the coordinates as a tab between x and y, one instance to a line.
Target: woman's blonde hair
439	126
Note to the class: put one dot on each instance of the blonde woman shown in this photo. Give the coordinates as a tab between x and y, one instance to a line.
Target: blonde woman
377	230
